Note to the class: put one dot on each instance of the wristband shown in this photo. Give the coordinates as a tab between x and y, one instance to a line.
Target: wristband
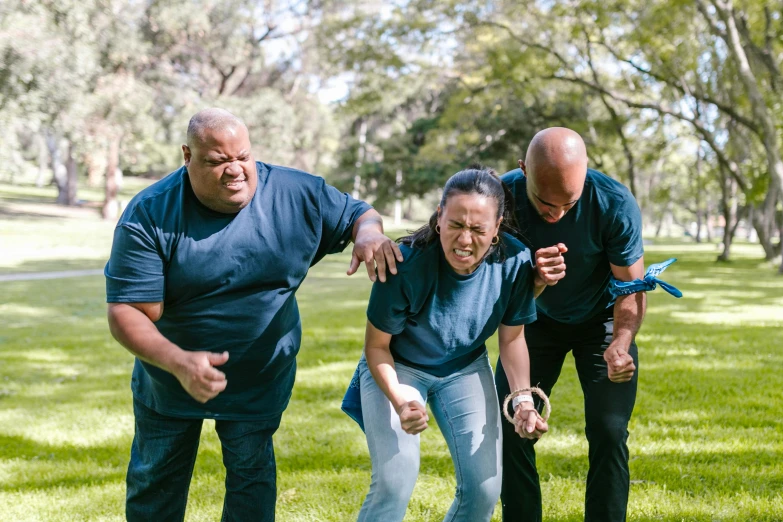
520	399
648	284
527	391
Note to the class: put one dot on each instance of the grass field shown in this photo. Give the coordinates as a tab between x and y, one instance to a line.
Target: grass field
706	436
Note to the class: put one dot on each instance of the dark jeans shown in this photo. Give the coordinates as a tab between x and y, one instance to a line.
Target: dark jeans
161	465
608	408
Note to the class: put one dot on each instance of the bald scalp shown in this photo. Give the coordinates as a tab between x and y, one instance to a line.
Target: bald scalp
557	156
208	121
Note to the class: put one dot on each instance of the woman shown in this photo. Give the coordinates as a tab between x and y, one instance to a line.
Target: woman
463	278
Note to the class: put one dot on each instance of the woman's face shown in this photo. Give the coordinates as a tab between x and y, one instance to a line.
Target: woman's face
468	223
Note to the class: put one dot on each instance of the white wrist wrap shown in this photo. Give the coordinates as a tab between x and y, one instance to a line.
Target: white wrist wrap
520	399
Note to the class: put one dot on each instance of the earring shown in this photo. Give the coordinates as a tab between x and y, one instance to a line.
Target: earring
496	240
437	229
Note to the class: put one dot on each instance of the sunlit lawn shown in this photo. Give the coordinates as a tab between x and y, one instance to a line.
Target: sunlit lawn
706	436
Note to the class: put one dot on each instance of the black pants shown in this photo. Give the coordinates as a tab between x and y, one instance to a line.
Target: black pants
608	408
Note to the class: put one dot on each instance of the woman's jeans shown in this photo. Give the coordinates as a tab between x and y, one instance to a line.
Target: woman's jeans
162	458
466	408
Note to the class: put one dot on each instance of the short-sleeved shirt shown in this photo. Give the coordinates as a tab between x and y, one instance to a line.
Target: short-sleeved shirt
604	226
227	282
439	319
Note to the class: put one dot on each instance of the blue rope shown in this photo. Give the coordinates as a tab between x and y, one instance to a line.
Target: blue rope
650	281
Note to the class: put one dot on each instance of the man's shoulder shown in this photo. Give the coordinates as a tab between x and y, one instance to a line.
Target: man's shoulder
289	177
513	177
161	194
607	188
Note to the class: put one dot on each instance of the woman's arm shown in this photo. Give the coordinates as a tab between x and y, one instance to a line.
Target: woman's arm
516	364
413	415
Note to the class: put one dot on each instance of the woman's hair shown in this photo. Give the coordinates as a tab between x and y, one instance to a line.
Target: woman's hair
473	180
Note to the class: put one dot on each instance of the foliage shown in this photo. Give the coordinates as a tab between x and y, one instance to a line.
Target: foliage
675	99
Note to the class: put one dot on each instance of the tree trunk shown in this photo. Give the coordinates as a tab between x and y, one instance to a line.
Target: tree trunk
780	248
728	190
761	113
697	191
398	200
59	175
42	153
71	176
357	178
111	208
762	223
750	218
660	224
95	169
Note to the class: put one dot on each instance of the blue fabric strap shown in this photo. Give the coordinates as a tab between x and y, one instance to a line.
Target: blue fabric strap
650	281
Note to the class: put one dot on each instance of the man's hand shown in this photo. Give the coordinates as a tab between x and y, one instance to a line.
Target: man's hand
529	425
550	265
196	373
374	248
619	363
413	417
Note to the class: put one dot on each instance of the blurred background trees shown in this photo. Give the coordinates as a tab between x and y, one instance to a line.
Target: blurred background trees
680	100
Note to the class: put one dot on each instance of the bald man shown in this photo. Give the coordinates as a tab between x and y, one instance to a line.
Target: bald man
201	287
580	218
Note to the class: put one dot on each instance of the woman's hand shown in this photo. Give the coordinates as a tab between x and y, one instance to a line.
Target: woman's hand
413	417
529	423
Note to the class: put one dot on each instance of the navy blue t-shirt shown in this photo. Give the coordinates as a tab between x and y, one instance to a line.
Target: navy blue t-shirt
440	320
227	282
604	226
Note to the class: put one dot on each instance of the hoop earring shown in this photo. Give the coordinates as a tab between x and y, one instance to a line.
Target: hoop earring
495	240
437	229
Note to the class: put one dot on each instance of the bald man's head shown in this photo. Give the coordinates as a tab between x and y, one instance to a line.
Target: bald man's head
208	121
219	161
556	167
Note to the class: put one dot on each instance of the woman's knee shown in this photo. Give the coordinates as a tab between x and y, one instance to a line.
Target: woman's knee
477	500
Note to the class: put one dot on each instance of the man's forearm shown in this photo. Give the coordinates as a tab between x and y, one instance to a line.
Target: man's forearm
370	221
628	316
138	334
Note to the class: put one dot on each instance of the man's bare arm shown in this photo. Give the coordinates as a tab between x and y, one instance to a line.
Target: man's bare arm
629	313
132	325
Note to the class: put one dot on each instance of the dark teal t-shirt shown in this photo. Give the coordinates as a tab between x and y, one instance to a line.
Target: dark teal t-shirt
227	282
439	320
605	226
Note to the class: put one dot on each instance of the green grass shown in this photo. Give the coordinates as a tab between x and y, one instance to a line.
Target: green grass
706	436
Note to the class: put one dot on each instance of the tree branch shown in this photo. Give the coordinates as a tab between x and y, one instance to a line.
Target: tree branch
705	133
524	42
681	86
615	118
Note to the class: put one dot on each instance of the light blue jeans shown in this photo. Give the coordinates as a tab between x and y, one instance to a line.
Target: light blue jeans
465	405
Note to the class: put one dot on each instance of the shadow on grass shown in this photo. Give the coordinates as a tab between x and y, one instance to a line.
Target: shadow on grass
66	465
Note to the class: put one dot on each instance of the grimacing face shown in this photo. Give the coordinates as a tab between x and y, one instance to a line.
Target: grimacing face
222	170
468	223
